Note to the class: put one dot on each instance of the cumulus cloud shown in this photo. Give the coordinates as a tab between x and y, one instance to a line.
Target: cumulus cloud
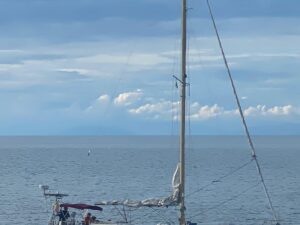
205	112
281	110
128	98
105	102
137	104
99	104
159	110
104	98
163	109
263	110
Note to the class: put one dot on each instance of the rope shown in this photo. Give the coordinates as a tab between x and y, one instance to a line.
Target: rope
168	221
172	108
242	115
220	178
226	201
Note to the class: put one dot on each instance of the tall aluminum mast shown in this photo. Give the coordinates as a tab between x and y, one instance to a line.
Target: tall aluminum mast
182	126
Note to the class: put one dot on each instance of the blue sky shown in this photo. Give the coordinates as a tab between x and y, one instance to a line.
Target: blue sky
90	67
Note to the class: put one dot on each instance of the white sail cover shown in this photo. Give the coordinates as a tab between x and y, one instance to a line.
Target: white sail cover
172	200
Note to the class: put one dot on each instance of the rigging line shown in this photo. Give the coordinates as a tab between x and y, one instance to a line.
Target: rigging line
189	122
175	56
226	201
177	109
138	218
242	115
189	78
120	213
221	178
119	79
175	60
168	221
172	107
189	37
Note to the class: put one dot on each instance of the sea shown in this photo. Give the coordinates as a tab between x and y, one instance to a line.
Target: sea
222	183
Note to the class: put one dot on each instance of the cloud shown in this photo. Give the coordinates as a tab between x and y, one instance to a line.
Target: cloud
8	67
101	104
104	98
105	102
106	106
62	59
213	58
128	98
74	70
163	109
113	63
159	110
263	110
281	110
206	112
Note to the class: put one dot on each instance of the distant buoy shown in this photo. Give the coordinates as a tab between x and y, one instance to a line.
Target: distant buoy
89	152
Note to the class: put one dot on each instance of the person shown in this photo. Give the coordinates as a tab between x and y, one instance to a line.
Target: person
87	219
93	219
64	215
56	208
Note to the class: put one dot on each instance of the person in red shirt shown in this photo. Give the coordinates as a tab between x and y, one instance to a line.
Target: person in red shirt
87	219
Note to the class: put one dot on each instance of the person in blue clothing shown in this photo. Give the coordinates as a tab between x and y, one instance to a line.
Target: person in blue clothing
64	215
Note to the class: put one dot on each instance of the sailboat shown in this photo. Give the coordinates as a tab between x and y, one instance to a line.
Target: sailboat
177	197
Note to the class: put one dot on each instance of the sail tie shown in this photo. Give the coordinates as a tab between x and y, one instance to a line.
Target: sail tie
242	115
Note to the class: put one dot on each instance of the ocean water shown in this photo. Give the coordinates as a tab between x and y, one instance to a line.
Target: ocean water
142	167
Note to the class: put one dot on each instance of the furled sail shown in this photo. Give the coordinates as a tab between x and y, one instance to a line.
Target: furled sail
172	200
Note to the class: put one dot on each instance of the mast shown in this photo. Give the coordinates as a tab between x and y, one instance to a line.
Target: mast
182	125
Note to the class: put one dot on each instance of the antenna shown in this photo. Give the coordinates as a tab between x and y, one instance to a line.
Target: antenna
44	188
48	193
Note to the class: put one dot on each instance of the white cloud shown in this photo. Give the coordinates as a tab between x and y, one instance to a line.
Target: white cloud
104	102
8	67
213	58
163	110
104	98
281	110
100	104
206	112
11	51
75	70
128	98
159	110
263	110
138	59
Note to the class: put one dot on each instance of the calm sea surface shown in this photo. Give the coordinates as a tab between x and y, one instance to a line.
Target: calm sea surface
142	167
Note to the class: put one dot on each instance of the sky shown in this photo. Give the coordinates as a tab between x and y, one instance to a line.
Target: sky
90	67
